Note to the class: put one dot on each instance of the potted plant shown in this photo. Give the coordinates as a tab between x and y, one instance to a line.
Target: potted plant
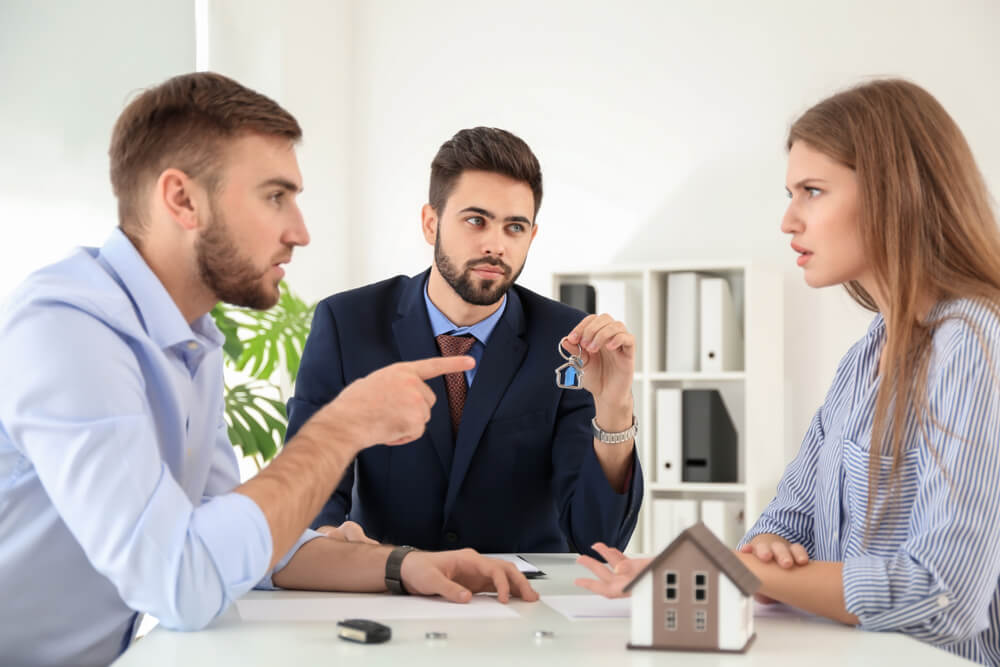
262	352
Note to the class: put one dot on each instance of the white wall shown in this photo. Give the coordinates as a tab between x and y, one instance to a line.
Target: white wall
301	55
67	69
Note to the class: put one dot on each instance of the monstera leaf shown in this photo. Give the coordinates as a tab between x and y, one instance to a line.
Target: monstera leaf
271	334
256	422
262	345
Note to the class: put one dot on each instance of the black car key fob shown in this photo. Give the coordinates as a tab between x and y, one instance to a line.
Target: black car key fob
363	631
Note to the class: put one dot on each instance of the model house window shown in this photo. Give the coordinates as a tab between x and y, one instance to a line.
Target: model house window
700	620
700	587
671	586
671	620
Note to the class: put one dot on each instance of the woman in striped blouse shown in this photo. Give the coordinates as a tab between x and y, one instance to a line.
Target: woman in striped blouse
889	516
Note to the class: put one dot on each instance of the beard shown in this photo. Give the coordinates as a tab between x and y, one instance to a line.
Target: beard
477	291
227	272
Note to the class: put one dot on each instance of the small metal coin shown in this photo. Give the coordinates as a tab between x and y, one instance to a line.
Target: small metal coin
435	635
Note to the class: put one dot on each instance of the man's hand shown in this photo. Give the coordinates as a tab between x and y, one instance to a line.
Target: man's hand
610	582
608	367
389	406
348	531
457	575
767	548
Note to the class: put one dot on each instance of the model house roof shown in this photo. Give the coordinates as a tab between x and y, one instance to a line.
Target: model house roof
715	551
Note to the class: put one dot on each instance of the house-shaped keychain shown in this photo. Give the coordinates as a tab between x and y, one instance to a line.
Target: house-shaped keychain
695	595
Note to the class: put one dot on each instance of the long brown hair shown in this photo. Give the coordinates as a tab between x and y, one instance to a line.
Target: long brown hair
927	228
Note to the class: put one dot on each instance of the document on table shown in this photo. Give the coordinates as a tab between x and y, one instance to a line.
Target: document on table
523	566
322	607
579	607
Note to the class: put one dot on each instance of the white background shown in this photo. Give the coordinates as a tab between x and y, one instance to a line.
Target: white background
659	125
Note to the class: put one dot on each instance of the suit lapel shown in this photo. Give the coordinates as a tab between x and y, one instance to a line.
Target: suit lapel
414	339
501	360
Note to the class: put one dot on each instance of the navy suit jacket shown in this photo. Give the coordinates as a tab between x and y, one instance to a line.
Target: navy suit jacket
521	476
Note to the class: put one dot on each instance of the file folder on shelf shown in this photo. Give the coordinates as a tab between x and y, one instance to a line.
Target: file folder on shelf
579	295
683	321
721	347
670	518
622	300
710	445
725	519
669	435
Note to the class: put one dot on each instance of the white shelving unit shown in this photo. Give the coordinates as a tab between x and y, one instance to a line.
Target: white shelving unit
754	396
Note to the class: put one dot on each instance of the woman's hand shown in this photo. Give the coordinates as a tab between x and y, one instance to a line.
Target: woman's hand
772	548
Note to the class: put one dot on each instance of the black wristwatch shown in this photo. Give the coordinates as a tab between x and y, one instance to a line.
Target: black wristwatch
393	570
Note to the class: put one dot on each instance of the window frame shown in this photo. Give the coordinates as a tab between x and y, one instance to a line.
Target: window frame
667	587
695	587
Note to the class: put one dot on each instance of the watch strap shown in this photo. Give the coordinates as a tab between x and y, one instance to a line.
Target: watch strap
615	437
394	568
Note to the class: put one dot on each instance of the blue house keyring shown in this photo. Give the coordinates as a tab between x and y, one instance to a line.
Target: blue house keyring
570	374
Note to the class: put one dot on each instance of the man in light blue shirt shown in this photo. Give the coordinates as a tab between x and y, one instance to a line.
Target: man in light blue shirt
119	490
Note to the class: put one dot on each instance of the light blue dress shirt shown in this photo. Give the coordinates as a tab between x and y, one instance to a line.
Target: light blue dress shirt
931	568
440	324
115	468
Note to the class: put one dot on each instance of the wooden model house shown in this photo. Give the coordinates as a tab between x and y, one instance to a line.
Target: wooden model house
695	595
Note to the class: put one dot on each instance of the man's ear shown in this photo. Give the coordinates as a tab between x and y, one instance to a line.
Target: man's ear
175	193
429	223
534	233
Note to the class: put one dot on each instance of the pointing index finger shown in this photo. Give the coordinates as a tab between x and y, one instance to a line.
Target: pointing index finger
435	366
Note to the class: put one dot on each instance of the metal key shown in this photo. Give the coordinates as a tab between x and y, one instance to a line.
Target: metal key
570	374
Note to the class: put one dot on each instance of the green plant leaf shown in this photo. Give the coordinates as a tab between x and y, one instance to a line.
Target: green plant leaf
263	333
233	347
256	344
291	358
256	423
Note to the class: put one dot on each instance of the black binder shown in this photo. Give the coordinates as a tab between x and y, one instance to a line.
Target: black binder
579	295
709	447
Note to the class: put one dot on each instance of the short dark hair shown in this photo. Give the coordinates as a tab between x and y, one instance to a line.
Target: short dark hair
483	149
183	123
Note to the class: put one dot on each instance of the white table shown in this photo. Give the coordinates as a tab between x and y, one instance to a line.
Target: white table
790	640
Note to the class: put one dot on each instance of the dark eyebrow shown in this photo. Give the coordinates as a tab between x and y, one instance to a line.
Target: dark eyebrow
280	183
486	214
481	211
809	180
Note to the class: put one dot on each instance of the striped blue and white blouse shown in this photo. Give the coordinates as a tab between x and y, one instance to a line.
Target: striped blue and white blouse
931	567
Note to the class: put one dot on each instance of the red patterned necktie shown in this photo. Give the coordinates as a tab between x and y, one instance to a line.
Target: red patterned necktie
451	346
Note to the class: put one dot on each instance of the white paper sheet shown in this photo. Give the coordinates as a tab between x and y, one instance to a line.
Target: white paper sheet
579	607
376	607
522	564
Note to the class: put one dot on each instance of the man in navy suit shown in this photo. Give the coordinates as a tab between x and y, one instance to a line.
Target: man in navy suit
509	461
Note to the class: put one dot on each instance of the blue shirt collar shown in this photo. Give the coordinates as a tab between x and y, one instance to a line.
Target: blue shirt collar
161	317
440	324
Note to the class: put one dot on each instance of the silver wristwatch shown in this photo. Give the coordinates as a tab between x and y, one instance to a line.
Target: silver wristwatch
615	438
